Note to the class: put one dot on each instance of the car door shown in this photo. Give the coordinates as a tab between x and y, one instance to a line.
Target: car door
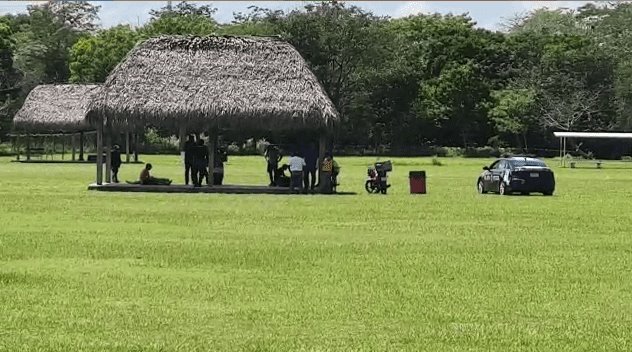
497	171
488	177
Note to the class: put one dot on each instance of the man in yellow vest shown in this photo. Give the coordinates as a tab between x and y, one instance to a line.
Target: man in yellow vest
326	169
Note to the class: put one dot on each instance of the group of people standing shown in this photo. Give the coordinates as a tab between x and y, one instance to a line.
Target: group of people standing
196	157
302	166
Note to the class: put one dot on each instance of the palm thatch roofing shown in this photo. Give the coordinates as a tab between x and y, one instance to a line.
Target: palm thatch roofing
56	108
218	82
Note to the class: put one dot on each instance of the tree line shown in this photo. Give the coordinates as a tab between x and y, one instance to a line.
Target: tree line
426	79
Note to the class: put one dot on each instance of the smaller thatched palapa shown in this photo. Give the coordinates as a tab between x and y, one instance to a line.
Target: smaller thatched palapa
56	108
214	82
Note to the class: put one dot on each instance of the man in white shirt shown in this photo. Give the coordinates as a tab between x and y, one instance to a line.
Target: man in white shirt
296	169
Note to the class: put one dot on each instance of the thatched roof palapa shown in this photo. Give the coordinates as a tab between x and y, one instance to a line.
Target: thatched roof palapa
56	108
217	81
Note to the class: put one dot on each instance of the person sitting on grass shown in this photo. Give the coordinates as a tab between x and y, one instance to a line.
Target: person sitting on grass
147	179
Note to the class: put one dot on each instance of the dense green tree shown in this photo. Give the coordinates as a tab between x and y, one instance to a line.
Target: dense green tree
9	77
512	113
43	44
93	57
183	19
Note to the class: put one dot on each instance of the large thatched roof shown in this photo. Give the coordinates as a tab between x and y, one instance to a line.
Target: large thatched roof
217	81
56	108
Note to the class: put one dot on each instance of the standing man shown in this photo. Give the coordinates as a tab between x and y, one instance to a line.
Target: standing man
116	162
297	164
218	168
189	157
201	162
273	156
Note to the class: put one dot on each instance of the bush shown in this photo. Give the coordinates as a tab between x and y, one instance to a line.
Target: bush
261	145
6	149
233	149
155	144
436	162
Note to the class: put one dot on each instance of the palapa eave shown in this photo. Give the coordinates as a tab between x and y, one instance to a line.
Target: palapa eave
214	82
56	108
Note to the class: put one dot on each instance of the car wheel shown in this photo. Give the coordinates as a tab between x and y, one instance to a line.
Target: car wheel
480	187
549	193
503	189
525	193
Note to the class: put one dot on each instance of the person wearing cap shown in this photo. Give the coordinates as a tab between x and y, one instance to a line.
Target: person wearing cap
116	162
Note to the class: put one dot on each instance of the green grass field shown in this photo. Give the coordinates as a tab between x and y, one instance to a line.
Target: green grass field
446	271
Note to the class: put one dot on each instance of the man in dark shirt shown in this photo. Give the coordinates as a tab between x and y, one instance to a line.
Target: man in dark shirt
189	170
116	162
273	156
218	169
201	162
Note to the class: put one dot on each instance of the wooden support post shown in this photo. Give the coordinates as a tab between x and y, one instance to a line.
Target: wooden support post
182	135
108	153
17	148
322	148
561	155
564	148
63	147
100	152
73	146
127	148
81	143
28	148
135	147
212	142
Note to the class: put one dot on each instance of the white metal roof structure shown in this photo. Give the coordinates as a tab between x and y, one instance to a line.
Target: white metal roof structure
605	135
610	135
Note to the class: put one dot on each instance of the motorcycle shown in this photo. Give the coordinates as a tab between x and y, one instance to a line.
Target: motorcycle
377	177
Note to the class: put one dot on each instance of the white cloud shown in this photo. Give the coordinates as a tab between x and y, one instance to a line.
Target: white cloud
133	12
533	5
15	7
411	8
487	14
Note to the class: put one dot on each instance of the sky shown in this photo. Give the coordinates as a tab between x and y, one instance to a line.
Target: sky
487	14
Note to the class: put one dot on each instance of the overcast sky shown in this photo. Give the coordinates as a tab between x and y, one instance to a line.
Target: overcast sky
488	14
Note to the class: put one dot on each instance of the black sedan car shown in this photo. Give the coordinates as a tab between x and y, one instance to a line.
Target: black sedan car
517	175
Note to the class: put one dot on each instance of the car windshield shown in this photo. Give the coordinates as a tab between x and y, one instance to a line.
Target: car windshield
527	162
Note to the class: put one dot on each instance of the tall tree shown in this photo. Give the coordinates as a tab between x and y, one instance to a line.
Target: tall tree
184	18
9	78
43	45
94	57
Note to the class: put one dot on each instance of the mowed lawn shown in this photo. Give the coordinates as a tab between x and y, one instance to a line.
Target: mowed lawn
446	271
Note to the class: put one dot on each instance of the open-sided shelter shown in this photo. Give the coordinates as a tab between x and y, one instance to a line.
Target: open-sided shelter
56	110
564	135
210	84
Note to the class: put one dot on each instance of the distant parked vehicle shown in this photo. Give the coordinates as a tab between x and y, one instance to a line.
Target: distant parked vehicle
523	175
